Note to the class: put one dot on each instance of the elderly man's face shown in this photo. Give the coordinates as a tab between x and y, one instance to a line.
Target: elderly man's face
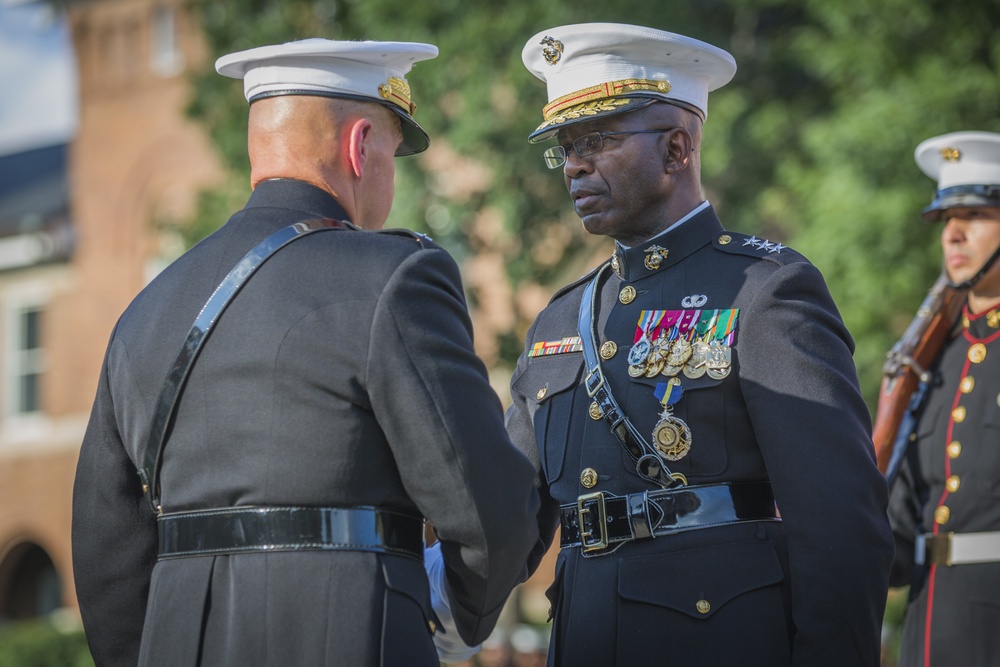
969	237
619	191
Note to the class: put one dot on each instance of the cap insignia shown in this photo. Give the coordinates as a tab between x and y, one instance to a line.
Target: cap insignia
951	154
397	91
552	50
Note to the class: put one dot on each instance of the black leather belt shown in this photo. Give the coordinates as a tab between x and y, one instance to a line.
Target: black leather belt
599	521
236	530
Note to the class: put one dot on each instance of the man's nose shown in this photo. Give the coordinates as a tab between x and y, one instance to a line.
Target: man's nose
576	165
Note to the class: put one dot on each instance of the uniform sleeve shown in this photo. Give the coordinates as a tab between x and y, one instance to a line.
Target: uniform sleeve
114	540
444	423
814	431
904	517
522	433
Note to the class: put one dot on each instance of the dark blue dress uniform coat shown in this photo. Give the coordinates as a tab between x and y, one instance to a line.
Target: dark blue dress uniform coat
343	374
950	482
809	590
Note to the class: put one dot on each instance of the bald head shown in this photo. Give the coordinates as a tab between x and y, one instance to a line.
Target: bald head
324	141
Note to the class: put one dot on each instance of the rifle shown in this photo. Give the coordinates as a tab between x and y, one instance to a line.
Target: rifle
906	365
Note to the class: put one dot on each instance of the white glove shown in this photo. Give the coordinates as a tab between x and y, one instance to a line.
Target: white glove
450	647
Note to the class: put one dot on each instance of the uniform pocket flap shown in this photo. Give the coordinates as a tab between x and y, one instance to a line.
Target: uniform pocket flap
547	376
698	582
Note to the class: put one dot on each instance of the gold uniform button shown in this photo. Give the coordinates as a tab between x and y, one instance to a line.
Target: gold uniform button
952	483
967	384
627	295
588	478
595	411
433	626
541	393
725	239
941	515
958	414
977	353
703	606
608	350
954	449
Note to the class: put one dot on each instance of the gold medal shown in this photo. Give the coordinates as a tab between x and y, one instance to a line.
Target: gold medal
636	371
695	366
671	371
671	437
653	368
718	361
680	351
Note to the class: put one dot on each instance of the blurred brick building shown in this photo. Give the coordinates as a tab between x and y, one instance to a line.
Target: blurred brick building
78	239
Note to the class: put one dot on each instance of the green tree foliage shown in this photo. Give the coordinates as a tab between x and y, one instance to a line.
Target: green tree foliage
811	144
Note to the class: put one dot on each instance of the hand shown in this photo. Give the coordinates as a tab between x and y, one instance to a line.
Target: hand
450	647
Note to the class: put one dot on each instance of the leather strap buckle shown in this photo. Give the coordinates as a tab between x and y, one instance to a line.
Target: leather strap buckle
589	524
594	386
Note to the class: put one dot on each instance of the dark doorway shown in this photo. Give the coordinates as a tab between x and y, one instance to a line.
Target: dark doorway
29	584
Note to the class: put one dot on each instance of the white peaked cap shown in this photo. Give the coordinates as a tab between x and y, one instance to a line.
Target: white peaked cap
602	69
966	166
369	71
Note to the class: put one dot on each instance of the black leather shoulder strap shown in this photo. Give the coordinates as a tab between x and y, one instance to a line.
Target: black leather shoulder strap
173	385
648	463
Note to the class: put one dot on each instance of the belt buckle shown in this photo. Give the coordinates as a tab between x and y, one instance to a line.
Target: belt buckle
601	542
939	549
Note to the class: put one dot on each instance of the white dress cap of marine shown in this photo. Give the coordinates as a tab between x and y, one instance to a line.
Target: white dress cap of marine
966	166
602	69
368	71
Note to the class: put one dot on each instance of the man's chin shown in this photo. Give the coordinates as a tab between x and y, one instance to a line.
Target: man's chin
594	223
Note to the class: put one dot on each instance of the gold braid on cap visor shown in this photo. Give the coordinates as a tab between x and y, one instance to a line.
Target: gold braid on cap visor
593	100
397	91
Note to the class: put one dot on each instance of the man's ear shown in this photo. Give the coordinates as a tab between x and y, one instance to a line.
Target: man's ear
677	156
358	148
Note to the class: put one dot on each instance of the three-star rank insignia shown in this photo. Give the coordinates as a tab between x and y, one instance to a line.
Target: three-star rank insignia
655	257
764	244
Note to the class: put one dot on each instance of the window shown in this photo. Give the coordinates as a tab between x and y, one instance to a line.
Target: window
166	57
27	359
24	356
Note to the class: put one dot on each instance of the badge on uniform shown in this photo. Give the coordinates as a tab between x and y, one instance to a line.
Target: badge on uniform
671	435
693	342
562	346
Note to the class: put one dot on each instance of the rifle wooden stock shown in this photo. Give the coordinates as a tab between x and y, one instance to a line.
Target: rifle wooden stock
908	360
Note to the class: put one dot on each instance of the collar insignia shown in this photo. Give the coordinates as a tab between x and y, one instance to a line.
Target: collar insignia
655	257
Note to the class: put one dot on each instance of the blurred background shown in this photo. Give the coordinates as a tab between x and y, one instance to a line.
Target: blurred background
120	147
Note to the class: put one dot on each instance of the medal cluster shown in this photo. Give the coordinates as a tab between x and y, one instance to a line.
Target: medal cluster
694	343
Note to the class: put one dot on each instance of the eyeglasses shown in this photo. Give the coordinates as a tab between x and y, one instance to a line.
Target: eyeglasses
587	144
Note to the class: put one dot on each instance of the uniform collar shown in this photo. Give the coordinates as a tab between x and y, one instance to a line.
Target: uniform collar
667	249
298	195
981	325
